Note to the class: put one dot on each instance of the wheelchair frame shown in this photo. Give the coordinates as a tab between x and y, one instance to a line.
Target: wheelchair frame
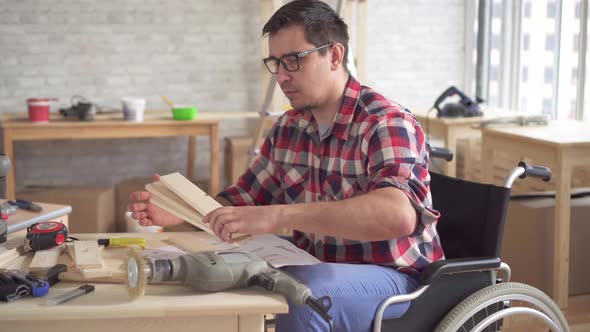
548	311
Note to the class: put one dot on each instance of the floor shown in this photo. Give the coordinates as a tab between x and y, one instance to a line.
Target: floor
578	313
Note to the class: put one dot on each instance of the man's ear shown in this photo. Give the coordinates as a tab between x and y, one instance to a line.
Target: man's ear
337	56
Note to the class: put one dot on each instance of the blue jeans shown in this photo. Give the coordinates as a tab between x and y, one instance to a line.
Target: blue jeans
356	291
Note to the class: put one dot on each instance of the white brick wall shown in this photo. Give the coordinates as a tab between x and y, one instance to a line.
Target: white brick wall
415	49
205	52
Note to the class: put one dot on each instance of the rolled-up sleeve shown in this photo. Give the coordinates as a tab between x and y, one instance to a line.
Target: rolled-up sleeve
398	157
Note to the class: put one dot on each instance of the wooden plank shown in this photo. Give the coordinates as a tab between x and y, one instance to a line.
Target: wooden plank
159	190
96	273
11	250
70	250
190	218
190	193
88	254
45	259
177	195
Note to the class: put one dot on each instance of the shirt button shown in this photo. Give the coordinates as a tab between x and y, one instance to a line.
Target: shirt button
320	198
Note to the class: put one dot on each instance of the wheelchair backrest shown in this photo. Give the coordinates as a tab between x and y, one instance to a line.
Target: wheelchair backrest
472	216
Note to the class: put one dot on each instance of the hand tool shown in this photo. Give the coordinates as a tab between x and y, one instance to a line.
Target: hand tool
11	290
13	280
26	205
74	293
52	275
45	235
122	242
214	271
168	101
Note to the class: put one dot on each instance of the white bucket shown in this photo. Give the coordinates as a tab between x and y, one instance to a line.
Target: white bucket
133	109
133	226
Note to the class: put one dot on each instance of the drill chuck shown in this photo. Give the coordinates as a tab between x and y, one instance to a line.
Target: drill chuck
160	270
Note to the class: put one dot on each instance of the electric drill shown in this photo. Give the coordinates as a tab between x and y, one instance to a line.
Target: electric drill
213	271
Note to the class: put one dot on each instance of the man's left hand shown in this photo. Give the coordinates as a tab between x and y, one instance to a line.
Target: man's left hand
253	220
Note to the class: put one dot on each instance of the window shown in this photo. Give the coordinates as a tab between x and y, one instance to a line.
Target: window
527	9
551	9
533	61
526	42
548	77
494	73
550	43
547	106
574	75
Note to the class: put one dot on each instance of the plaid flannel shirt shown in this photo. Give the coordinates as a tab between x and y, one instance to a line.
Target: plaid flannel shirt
372	143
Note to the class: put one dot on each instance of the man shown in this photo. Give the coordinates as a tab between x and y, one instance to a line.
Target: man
354	163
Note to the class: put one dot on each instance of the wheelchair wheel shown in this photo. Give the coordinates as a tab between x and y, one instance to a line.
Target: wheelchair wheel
501	307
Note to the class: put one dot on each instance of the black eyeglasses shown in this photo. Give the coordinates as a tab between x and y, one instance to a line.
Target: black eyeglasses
289	61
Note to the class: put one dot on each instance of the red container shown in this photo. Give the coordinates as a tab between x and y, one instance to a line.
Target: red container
39	109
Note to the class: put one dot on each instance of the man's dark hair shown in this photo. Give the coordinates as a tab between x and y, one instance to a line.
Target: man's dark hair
321	23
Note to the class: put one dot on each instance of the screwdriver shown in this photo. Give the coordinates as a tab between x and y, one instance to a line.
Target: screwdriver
122	242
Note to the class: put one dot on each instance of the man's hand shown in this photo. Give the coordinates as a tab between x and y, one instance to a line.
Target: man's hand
253	220
148	214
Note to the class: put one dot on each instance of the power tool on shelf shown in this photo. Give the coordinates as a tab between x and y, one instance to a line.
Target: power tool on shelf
466	107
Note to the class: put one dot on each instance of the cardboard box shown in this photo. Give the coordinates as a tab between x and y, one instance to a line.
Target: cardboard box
93	207
528	243
236	157
123	191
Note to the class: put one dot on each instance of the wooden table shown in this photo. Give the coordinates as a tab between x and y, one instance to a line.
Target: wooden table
169	307
562	146
21	219
450	130
17	127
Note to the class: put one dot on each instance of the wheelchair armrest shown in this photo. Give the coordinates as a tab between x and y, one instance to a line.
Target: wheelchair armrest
457	265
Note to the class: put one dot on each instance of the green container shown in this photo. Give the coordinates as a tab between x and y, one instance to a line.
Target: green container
184	112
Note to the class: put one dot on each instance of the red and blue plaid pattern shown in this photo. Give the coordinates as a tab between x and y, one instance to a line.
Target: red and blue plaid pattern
372	143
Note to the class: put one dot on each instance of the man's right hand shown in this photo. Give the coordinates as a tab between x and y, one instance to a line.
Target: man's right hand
148	214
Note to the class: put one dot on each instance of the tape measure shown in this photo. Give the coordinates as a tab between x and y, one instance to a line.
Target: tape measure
45	235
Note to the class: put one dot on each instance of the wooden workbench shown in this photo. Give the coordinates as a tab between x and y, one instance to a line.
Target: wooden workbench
17	127
169	307
21	219
450	130
562	146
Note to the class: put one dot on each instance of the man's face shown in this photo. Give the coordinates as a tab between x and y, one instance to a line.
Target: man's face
305	87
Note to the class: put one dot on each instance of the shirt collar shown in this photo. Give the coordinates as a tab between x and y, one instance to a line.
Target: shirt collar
345	115
340	126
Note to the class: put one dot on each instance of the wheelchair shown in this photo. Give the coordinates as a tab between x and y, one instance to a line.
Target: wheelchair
464	292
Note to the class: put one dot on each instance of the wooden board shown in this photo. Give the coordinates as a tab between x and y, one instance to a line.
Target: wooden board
177	195
169	201
88	255
190	193
11	250
45	259
190	218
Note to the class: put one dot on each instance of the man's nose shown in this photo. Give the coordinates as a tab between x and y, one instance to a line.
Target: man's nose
282	75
